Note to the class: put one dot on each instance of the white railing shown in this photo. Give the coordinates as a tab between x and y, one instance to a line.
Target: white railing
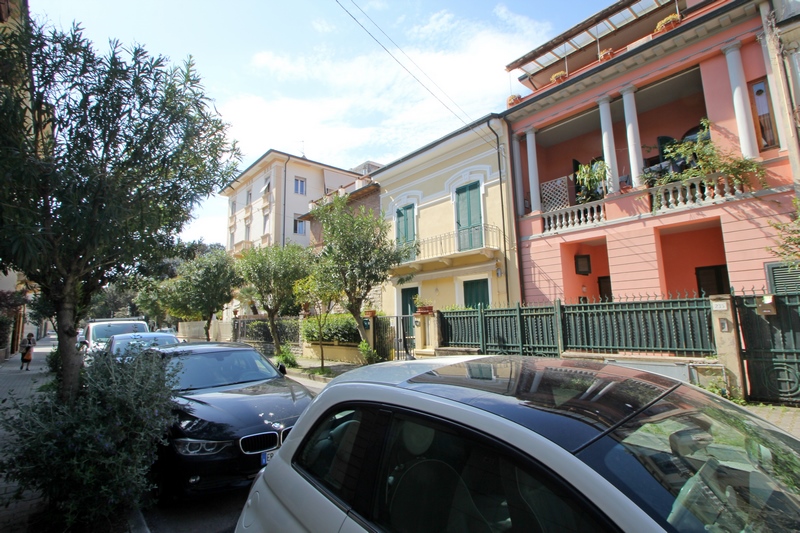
576	216
485	236
694	193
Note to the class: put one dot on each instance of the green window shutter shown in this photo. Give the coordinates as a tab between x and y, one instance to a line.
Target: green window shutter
468	217
782	279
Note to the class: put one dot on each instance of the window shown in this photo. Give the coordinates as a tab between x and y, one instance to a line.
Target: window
762	112
476	293
232	239
300	186
299	225
405	228
249	197
468	217
265	230
233	207
335	453
712	280
782	278
435	476
247	232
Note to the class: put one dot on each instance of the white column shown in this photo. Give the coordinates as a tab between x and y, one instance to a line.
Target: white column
609	150
741	101
533	171
517	162
632	132
768	48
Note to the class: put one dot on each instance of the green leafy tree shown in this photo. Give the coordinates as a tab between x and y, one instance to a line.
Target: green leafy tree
103	158
149	300
273	270
358	246
204	286
113	300
320	293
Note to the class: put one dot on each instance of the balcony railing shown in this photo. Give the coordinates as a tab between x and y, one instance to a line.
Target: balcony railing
576	216
694	193
241	246
483	237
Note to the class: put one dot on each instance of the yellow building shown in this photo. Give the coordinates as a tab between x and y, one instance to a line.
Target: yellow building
453	197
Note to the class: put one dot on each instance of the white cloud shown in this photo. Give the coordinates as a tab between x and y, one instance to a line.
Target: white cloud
345	110
322	26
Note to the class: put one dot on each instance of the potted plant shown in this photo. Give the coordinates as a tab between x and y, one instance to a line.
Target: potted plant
558	77
424	306
369	309
668	22
606	54
513	100
590	182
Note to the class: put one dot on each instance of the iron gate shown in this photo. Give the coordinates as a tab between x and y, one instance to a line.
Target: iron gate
394	337
770	335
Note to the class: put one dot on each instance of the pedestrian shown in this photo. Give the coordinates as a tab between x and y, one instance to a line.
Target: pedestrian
26	351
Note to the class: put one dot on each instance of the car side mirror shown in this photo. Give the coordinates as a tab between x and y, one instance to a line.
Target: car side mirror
282	368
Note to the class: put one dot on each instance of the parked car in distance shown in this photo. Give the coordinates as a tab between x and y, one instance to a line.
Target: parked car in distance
514	443
167	330
98	331
129	344
235	408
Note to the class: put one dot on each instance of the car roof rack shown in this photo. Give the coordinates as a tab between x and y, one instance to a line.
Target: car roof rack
121	319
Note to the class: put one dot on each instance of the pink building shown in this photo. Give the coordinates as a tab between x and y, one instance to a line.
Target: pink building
613	89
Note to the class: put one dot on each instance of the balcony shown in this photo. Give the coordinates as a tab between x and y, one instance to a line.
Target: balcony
456	248
240	247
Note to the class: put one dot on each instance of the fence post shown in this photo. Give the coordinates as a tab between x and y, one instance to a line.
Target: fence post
520	331
481	333
559	327
726	339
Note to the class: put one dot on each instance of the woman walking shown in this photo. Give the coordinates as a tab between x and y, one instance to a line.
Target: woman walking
26	351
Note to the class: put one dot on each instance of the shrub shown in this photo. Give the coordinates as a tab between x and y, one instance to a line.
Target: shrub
369	355
288	327
91	459
5	330
54	362
341	327
286	357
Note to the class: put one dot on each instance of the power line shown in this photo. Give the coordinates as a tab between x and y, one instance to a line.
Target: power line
488	141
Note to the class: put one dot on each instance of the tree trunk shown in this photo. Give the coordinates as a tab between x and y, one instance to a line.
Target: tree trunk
207	328
359	324
273	330
71	357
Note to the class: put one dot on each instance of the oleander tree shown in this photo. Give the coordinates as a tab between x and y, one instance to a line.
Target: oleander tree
319	292
103	157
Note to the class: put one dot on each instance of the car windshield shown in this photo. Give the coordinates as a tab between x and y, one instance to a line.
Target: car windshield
220	368
697	463
101	332
120	346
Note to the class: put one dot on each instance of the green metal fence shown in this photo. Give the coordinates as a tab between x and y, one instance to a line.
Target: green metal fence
771	345
681	326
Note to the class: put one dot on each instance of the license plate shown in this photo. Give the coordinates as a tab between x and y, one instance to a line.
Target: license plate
266	457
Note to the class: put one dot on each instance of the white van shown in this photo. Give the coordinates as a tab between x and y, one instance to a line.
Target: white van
99	330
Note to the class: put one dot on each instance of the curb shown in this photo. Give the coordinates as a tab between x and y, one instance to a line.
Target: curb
299	372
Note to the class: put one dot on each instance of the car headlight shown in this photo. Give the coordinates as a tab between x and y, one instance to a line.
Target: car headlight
195	447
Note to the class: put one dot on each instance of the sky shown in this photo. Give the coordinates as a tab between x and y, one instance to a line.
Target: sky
339	81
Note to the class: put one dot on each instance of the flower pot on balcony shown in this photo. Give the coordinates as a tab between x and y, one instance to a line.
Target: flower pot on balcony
369	313
513	100
559	77
606	54
425	309
668	23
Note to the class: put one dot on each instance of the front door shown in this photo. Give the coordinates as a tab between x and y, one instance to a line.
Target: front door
476	293
407	305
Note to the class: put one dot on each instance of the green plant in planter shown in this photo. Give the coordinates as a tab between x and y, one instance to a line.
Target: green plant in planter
422	302
590	181
702	158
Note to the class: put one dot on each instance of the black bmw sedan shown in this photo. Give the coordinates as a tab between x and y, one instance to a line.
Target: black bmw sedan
235	408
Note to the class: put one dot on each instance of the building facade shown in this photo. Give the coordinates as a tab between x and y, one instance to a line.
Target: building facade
267	201
453	197
619	88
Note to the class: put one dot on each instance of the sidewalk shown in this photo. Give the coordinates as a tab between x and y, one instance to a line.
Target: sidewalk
22	384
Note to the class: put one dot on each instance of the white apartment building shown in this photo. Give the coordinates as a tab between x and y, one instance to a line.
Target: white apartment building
266	201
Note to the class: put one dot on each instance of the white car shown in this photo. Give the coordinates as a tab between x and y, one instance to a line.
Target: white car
98	331
512	443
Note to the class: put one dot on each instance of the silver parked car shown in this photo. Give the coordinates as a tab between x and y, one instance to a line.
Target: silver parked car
511	443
